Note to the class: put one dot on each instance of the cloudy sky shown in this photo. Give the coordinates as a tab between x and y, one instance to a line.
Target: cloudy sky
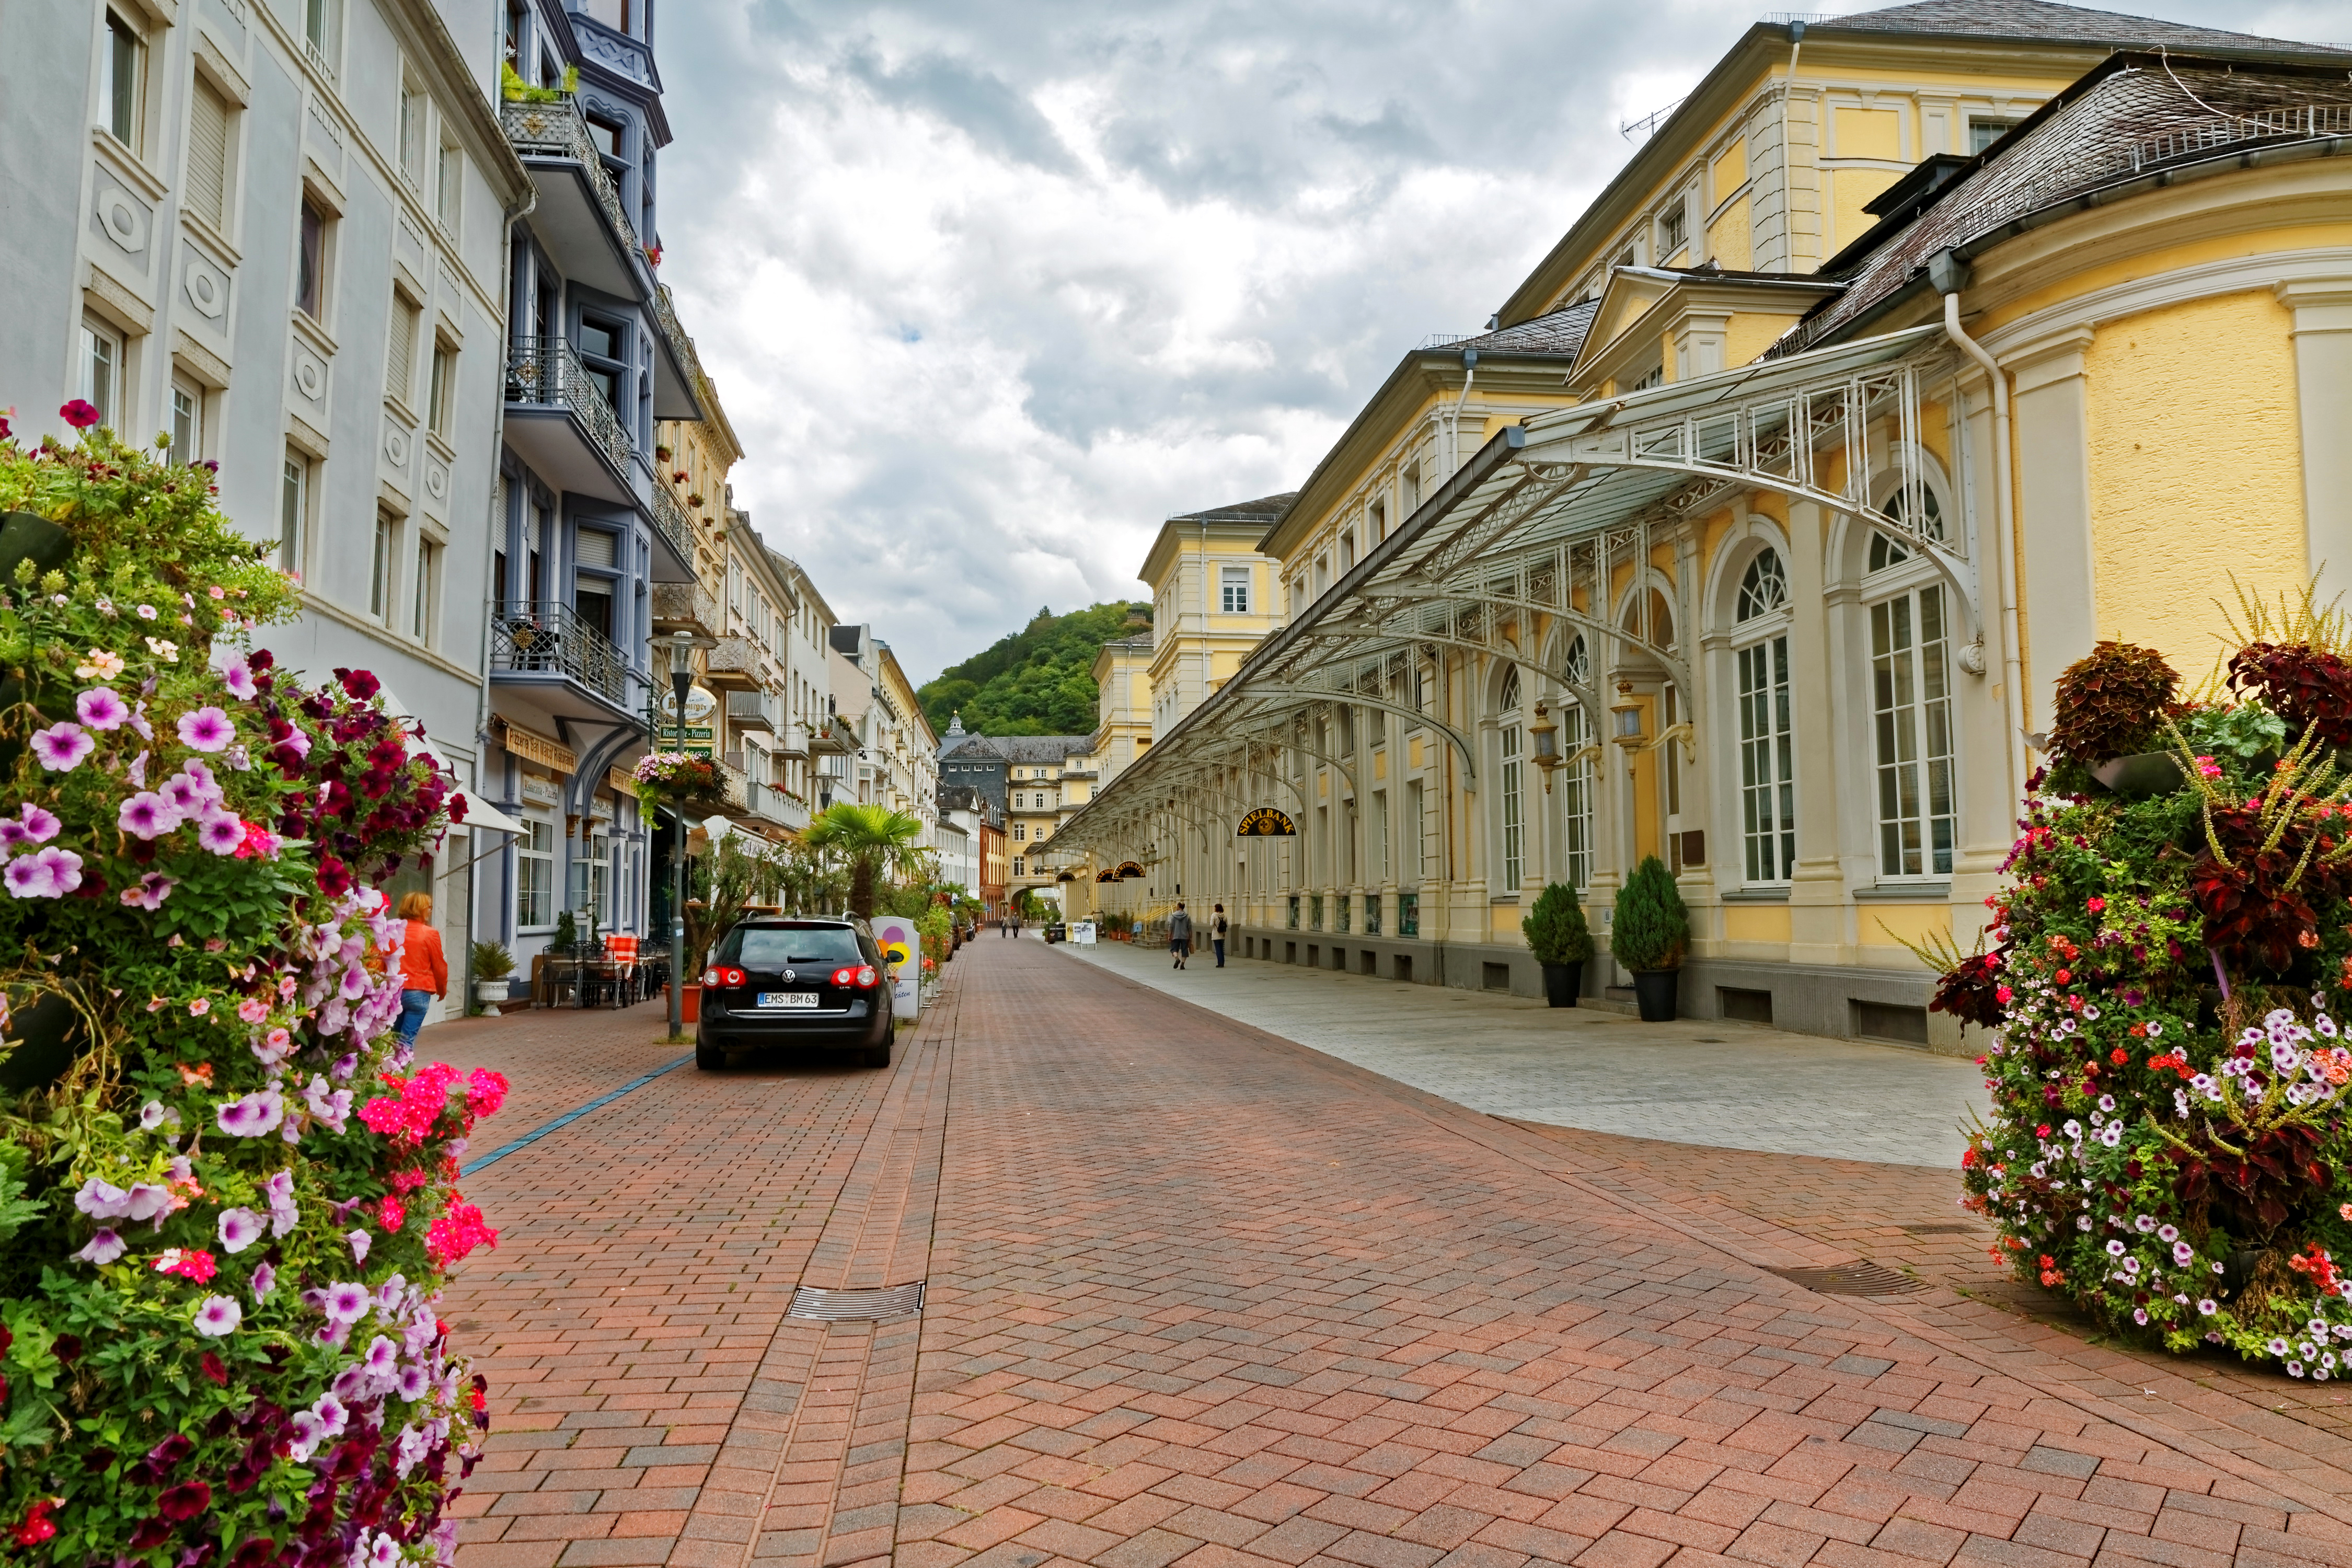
990	286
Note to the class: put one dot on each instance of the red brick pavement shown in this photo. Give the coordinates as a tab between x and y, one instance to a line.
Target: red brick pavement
557	1059
1200	1296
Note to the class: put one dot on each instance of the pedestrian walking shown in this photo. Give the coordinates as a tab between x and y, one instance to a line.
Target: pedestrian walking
1180	935
1217	933
423	971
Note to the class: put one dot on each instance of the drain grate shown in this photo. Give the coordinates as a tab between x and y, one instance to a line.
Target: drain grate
1861	1278
1939	1230
857	1306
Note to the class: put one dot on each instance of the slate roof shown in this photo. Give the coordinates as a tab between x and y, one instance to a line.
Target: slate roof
2132	118
1559	332
2039	20
1020	748
1262	510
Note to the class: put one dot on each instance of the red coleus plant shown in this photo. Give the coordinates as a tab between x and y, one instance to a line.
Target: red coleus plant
2310	688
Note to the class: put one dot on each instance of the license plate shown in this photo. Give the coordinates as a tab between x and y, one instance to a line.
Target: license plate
788	998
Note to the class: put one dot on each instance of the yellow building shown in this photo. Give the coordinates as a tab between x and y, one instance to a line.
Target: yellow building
1212	599
1122	672
1780	599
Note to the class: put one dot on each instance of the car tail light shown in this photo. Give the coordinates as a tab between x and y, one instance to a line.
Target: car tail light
866	978
724	979
845	977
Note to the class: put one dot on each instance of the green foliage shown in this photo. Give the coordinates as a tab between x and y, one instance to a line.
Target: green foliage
1037	681
1555	927
1029	906
720	883
490	961
1652	928
566	940
877	843
2111	703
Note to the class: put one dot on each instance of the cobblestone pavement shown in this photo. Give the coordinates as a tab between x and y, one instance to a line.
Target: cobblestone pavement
1691	1081
1199	1295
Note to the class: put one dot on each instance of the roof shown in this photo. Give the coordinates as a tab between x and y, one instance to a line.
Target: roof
2040	21
1559	332
1020	748
1262	510
2136	117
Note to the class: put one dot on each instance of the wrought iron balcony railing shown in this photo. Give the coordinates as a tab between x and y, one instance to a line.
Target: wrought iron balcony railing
670	521
552	639
547	371
687	604
557	130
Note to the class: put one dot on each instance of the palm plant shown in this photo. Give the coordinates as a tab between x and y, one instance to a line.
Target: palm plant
876	841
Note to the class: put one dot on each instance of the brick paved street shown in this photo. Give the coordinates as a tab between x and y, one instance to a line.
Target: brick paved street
1201	1295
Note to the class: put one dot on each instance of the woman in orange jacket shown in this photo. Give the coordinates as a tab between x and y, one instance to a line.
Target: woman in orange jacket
424	971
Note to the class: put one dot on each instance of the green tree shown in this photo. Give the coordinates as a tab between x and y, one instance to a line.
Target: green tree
1555	927
1039	680
1652	929
876	841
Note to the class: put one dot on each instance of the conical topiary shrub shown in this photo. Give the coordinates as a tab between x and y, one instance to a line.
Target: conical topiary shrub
1649	934
225	1206
1561	941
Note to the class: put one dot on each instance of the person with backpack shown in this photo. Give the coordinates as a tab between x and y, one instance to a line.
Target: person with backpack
1180	935
1217	934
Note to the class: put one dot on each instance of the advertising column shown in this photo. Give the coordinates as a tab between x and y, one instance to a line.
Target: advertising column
902	950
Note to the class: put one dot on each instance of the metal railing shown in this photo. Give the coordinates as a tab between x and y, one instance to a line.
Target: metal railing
685	603
547	371
755	710
551	638
557	130
670	521
681	346
734	655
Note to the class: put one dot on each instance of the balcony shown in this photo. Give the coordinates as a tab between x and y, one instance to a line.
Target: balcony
675	531
793	740
685	606
551	642
734	666
754	711
679	390
559	421
580	215
772	805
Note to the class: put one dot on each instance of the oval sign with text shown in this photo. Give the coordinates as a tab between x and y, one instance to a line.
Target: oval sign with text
1266	823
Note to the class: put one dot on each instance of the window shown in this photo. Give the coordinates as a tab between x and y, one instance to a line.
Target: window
187	420
1408	912
1654	377
293	511
1233	590
513	40
442	392
1674	230
426	614
1315	911
1294	913
1341	906
1380	523
1021	832
592	881
124	104
1019	866
1372	914
412	103
1514	827
400	360
209	134
1912	722
602	345
535	876
1415	850
380	571
608	136
449	189
311	266
1381	858
1576	789
1983	134
319	34
101	369
1767	759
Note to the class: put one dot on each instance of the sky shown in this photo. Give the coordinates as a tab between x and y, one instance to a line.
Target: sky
989	289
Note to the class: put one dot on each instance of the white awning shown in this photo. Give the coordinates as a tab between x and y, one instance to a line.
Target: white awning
480	813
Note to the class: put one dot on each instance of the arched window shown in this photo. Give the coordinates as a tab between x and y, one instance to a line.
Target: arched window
1575	777
1768	818
1886	551
1507	704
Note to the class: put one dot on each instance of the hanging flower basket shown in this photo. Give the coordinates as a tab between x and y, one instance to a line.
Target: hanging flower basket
679	779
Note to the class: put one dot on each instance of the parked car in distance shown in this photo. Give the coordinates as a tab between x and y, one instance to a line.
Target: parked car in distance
803	984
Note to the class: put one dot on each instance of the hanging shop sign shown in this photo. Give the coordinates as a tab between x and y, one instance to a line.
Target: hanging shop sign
1267	823
539	749
702	703
1130	872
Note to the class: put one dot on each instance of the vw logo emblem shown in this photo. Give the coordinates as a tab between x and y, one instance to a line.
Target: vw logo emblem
788	974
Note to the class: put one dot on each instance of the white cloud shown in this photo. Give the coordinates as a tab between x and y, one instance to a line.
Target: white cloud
990	289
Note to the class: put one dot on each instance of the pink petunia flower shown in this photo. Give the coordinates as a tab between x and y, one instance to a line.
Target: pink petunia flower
253	1009
253	1115
206	730
200	1006
31	824
239	1228
265	1279
149	892
237	676
147	815
104	1249
218	1315
101	709
62	746
222	832
345	1303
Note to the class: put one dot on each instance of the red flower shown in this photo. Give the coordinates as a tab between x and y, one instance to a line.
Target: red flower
81	415
334	876
215	1369
36	1526
184	1501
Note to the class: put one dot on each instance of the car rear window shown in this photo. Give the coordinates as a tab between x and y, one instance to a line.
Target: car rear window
771	947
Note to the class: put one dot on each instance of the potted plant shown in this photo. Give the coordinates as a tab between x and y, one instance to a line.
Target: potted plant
493	966
1649	934
678	778
1561	941
2112	703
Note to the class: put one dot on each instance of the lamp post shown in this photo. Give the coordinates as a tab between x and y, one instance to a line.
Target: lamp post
681	680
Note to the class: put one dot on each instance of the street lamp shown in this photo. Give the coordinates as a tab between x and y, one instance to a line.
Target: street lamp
1543	736
681	682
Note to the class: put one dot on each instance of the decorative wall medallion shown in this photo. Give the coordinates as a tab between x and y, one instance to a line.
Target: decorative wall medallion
206	285
309	374
120	215
436	479
396	445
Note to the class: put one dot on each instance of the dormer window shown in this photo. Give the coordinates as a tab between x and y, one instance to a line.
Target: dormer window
1674	231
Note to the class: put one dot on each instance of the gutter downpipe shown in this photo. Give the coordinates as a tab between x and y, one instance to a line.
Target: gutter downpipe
1453	426
1949	275
1788	153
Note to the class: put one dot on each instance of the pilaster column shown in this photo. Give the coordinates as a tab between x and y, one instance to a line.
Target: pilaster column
1817	894
2323	379
2058	590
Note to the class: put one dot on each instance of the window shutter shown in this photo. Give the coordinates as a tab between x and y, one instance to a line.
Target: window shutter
208	154
401	375
595	547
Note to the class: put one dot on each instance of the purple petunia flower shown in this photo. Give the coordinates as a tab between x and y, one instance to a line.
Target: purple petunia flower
63	866
50	874
359	1241
149	892
331	1108
237	676
153	1115
38	825
218	1315
104	1249
147	1200
221	832
137	772
279	1192
139	723
62	746
147	815
102	1199
412	1384
253	1115
101	709
345	1303
184	795
239	1228
383	1358
265	1280
208	789
206	730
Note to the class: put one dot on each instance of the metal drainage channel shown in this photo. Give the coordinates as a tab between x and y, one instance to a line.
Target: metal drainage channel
1860	1278
857	1306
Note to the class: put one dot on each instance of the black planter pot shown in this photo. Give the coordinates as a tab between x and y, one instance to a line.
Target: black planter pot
1562	982
1654	990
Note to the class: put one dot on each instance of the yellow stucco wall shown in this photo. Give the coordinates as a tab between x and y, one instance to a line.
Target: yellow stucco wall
1881	925
1756	922
2195	476
2162	259
1727	238
1854	187
1749	333
1731	171
1868	133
